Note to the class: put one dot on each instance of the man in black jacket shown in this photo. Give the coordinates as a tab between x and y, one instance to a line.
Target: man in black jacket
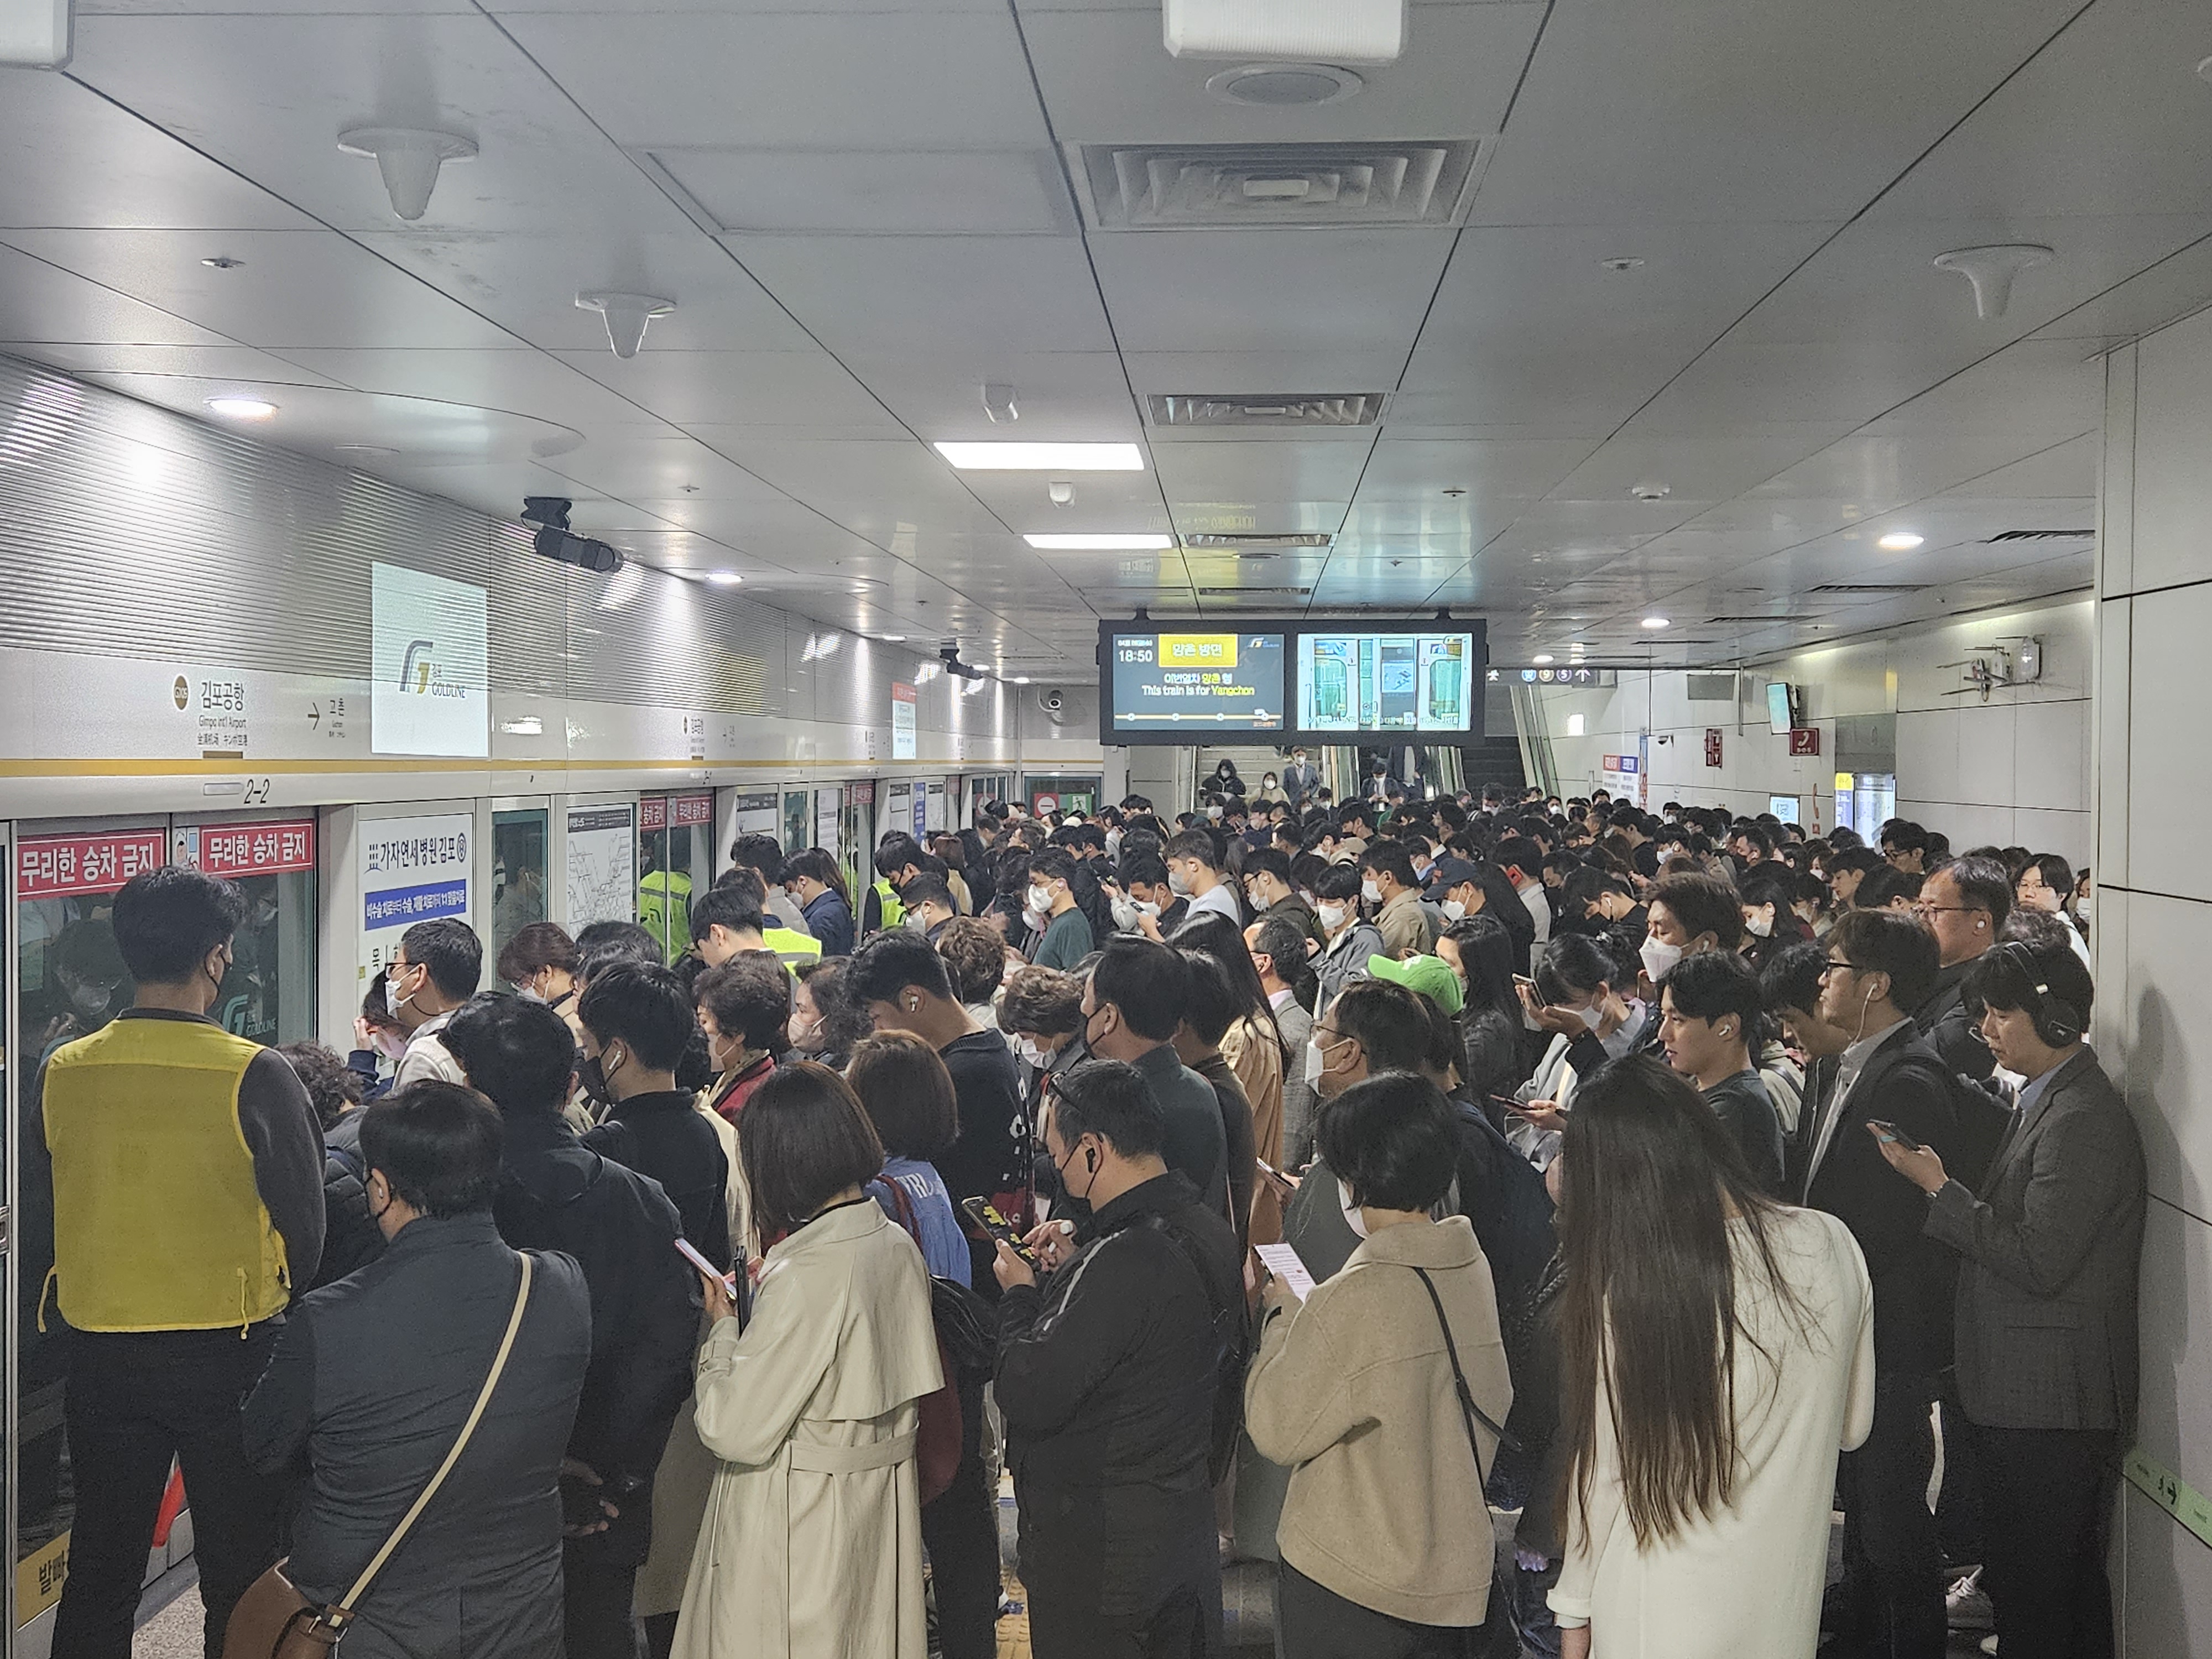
1880	965
1118	1379
557	1193
374	1376
637	1023
1964	905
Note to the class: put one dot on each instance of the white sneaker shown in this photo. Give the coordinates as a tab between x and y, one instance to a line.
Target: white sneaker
1990	1644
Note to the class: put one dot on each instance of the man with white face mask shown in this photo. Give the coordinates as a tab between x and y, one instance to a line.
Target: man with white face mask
436	969
1194	873
1067	938
1350	940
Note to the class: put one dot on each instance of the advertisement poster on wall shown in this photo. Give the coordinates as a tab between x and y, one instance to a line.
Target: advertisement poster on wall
601	865
753	813
411	869
429	648
797	819
903	699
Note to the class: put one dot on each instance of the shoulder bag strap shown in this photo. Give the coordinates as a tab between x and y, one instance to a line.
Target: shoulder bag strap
1470	1413
343	1611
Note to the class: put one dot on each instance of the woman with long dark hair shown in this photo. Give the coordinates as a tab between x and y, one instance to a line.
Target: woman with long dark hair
1481	952
1717	1353
1252	1045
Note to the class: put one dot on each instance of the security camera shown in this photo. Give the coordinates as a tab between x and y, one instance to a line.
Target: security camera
555	540
1051	700
949	654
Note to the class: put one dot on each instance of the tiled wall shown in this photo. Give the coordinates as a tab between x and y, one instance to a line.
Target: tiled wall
2014	769
2154	916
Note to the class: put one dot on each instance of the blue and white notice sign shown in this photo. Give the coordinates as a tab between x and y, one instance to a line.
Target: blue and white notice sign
411	869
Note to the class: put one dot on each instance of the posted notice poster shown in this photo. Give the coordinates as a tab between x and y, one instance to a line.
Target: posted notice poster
903	699
601	865
411	869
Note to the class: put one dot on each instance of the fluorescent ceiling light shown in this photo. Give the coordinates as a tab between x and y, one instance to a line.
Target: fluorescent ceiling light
1541	657
1044	457
724	578
894	639
1139	541
242	409
1900	541
1021	679
1654	621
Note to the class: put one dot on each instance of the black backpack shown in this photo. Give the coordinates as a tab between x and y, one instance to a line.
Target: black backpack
1981	1117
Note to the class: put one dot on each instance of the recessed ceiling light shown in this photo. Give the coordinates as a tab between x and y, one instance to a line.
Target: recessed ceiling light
1540	659
1652	492
1021	679
1900	541
242	409
223	262
894	639
1654	621
1043	458
1621	262
724	578
1141	541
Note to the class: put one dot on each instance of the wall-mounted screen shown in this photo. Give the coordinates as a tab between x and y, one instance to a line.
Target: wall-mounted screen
1781	706
429	645
1177	685
1355	681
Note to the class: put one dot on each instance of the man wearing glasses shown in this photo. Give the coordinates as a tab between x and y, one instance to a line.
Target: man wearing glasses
1879	965
1963	904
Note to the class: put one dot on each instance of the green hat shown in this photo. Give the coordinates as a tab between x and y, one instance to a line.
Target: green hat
1431	977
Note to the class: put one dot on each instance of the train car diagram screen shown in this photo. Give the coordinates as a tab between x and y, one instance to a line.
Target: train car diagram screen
1159	684
1353	682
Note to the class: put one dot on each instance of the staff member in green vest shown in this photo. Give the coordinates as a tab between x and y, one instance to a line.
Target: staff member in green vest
899	859
183	1183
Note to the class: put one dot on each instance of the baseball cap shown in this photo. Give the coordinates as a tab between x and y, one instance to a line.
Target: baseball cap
1449	872
1429	976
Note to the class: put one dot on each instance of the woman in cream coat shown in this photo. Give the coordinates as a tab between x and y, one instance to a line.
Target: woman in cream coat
812	1539
1700	1478
1385	1541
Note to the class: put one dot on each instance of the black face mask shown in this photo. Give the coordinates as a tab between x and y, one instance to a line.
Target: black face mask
593	1077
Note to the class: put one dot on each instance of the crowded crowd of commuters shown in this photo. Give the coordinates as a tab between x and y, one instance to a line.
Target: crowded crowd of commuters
1520	1222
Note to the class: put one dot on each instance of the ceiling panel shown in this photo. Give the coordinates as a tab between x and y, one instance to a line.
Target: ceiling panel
1711	111
883	81
513	378
884	295
790	392
293	289
1059	395
40	302
1270	291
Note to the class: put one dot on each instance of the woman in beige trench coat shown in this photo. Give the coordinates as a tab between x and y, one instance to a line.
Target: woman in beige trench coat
811	1543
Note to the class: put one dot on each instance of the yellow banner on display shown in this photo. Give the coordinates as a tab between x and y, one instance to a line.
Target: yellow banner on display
38	1579
1197	650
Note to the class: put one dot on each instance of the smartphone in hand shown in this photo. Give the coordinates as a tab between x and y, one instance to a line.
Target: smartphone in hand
1889	1131
985	1214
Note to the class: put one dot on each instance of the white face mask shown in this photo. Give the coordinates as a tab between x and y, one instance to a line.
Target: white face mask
1037	918
1353	1218
1040	898
2082	909
1032	1056
1331	916
1761	924
1314	1064
1178	883
1454	909
916	922
1214	812
1659	958
1371	893
1592	1018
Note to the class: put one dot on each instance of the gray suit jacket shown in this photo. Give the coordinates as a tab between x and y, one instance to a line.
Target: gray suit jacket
2046	1299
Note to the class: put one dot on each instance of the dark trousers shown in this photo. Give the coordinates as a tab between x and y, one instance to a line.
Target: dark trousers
1078	1612
598	1583
1890	1559
135	1400
960	1531
1958	1529
2045	1494
1313	1622
1182	1628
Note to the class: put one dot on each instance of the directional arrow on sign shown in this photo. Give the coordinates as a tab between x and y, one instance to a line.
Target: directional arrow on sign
314	717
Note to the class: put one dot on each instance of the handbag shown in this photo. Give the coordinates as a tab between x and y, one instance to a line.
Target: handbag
273	1620
940	1434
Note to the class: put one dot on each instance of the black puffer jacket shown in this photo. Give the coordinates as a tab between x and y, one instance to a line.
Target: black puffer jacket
1110	1376
351	1239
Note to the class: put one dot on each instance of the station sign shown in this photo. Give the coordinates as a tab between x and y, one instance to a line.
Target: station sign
62	866
659	811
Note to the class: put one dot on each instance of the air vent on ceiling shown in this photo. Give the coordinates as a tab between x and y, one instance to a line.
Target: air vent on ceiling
1758	619
1254	409
1231	186
1712	688
1255	546
1871	587
2041	536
